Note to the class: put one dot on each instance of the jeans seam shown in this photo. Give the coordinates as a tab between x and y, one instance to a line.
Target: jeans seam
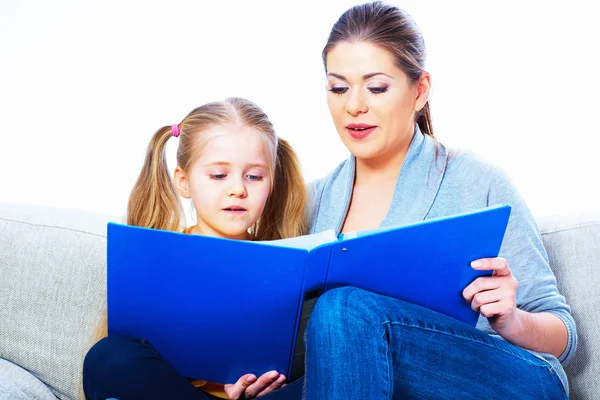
471	340
386	363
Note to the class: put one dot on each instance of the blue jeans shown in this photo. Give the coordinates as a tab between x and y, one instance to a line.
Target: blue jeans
360	345
129	369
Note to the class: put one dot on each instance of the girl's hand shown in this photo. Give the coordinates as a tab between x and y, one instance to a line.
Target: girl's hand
495	297
249	387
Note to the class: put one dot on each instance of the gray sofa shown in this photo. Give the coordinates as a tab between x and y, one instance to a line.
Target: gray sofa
52	296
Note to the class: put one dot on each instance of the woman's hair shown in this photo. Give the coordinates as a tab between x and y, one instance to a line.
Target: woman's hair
391	29
154	202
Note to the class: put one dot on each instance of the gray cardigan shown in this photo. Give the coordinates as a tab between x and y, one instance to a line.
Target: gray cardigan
435	182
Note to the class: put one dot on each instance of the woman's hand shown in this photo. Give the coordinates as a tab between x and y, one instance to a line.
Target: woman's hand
249	387
495	297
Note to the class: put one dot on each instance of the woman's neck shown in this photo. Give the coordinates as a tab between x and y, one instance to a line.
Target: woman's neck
381	170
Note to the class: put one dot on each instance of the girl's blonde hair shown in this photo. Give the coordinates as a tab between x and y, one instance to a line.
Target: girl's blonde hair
154	202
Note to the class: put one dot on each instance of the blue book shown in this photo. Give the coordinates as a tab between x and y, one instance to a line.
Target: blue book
217	309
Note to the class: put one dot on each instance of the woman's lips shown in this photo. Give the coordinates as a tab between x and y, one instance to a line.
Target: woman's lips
360	131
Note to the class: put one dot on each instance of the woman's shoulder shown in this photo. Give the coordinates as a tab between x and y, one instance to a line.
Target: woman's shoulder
315	185
335	182
467	165
473	173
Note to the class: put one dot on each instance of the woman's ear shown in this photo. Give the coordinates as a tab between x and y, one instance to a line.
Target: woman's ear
423	87
181	183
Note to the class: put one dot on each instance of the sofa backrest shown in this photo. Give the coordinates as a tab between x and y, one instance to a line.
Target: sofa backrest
573	246
52	291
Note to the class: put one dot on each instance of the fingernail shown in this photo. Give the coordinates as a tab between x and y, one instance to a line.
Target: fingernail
476	264
250	379
272	375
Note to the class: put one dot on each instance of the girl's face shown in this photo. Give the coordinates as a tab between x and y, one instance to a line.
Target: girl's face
372	102
229	183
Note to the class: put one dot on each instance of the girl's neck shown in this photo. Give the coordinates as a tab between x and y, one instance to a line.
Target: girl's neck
197	230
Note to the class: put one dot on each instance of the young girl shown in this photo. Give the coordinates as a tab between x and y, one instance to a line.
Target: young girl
245	183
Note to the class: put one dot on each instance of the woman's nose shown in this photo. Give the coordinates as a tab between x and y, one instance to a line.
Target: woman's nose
356	104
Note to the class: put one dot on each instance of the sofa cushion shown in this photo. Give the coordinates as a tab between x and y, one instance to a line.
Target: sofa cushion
18	384
53	291
573	246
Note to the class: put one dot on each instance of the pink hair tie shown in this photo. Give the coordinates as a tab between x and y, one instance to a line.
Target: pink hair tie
175	129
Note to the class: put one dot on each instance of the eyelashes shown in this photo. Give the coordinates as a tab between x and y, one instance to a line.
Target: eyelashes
220	177
374	90
378	90
338	90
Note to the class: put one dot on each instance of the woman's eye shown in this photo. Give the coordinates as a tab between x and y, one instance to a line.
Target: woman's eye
378	90
338	90
255	177
218	177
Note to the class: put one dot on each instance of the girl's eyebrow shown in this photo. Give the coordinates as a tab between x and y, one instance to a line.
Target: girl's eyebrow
365	77
225	163
257	166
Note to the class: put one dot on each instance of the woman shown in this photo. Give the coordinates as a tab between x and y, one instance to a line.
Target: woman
360	345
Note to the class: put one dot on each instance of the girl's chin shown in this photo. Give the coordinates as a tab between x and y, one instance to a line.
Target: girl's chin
235	234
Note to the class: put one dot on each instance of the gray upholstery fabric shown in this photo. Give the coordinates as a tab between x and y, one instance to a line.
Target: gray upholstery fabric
53	291
573	246
18	384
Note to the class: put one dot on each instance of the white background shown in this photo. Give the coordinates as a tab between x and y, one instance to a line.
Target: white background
84	85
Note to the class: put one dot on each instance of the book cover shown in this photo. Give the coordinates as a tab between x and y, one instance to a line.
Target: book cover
217	309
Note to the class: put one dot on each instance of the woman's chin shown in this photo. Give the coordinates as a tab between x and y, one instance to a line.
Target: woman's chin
365	151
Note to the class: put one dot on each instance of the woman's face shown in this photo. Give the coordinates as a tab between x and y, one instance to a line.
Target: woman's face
372	102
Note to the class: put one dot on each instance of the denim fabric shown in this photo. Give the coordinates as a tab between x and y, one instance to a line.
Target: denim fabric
361	345
130	369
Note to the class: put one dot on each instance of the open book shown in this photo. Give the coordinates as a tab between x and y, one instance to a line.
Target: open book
216	308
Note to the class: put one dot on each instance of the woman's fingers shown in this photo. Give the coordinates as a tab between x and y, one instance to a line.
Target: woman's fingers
497	264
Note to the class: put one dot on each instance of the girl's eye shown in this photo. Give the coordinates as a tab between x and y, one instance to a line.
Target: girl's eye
218	177
378	90
338	90
254	177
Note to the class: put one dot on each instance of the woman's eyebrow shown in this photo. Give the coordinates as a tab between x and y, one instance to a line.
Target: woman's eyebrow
365	77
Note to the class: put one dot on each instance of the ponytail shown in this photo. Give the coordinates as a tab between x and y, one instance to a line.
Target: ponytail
153	202
284	215
424	121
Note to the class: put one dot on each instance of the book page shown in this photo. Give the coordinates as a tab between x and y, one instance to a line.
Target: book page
307	241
